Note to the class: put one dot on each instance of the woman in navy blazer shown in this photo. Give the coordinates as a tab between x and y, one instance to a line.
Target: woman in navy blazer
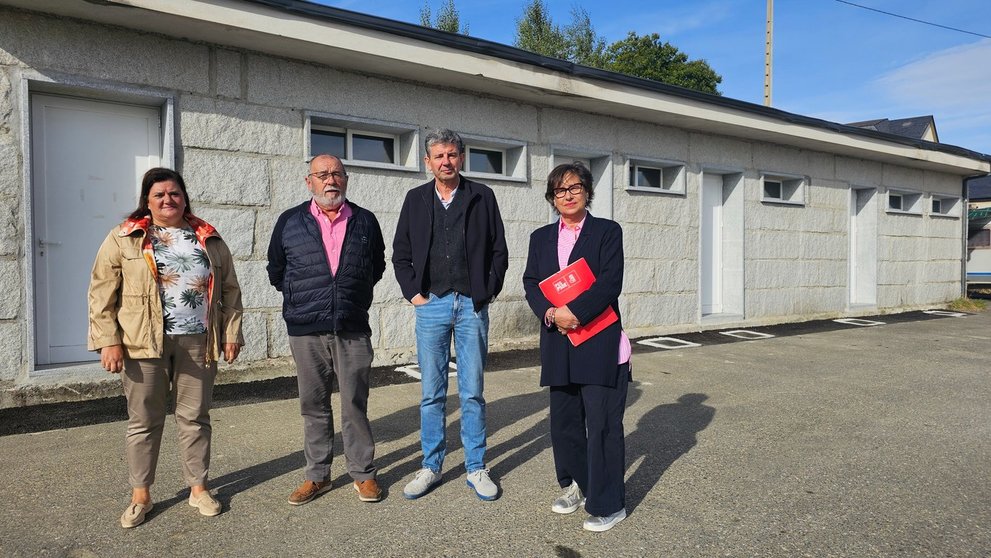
587	383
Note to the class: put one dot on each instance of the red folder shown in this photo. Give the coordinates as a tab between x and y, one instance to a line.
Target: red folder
565	286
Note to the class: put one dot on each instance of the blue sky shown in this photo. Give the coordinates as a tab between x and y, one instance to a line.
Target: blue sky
831	60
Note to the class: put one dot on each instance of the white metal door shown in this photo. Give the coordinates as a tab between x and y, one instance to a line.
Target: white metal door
87	161
712	244
863	246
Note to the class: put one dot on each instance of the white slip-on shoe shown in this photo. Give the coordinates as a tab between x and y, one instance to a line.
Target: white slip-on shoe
570	501
605	522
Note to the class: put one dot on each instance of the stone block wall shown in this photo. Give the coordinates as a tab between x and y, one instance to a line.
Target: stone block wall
239	129
12	325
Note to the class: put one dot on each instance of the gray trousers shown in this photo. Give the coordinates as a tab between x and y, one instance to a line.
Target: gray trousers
183	374
348	356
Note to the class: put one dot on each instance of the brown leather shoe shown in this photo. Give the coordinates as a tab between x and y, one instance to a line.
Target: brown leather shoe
368	491
308	491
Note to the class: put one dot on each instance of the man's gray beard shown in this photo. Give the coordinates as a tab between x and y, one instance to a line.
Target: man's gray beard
325	203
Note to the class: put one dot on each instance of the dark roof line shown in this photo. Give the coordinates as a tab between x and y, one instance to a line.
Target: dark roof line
913	127
979	188
498	50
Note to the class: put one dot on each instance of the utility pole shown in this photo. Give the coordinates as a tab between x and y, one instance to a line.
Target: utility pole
768	52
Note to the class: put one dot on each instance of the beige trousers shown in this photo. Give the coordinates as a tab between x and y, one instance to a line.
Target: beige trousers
183	376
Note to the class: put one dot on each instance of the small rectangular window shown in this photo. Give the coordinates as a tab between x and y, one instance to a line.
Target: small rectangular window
327	141
490	158
895	202
772	189
364	142
489	161
652	175
782	189
946	206
380	149
647	177
901	201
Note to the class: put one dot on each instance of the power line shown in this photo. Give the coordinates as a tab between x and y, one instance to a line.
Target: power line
915	20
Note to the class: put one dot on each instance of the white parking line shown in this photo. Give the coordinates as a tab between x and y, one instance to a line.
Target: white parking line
858	322
669	343
746	334
946	313
413	370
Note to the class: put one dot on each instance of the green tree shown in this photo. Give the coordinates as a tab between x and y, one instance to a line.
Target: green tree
644	56
536	32
448	19
583	45
648	57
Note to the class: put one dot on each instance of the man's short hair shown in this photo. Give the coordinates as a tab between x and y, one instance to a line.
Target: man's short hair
443	136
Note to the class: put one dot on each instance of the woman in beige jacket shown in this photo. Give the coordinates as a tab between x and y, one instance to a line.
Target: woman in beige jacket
164	303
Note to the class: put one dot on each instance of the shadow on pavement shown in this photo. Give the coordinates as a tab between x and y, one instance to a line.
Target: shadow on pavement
663	434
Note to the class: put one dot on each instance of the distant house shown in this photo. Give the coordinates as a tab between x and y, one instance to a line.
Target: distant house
919	127
979	192
734	214
979	230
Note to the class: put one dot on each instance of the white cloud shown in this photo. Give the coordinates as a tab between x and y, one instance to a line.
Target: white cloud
954	85
956	78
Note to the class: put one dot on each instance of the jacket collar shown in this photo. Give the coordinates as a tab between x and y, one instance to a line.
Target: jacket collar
588	229
201	228
465	186
590	224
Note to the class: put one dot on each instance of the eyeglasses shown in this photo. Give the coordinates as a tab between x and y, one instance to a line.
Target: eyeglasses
323	176
574	189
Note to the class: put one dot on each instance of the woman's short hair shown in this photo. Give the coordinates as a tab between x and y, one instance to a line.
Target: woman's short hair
556	178
152	177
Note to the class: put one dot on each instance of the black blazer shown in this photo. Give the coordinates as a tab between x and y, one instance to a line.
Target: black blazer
485	241
595	360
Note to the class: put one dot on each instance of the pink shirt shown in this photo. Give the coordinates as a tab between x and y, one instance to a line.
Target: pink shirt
566	240
332	232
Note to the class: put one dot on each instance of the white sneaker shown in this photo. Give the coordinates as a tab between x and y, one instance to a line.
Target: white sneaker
605	522
422	482
570	501
485	489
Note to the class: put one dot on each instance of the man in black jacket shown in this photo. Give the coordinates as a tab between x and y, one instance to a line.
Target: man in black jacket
450	259
325	256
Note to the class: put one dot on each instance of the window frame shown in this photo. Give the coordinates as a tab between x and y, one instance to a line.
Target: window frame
791	191
474	148
351	132
514	160
673	175
405	139
330	129
912	199
954	211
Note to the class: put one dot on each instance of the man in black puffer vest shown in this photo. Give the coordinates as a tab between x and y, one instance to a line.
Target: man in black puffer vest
325	257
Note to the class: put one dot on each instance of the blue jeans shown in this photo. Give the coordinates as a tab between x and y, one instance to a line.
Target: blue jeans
436	321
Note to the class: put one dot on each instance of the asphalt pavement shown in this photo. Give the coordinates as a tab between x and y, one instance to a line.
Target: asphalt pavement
859	441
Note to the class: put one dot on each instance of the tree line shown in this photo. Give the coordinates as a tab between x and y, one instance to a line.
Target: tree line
644	56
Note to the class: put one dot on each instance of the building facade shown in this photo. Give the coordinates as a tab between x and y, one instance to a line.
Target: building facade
733	214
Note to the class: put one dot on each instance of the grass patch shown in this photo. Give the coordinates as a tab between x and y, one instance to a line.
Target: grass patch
964	304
